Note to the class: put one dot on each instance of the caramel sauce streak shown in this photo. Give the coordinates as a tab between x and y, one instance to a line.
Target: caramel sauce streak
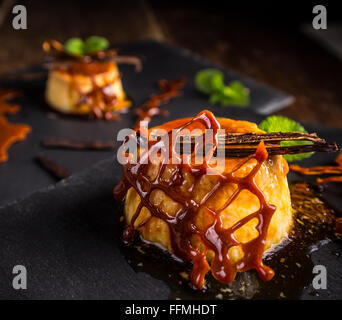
9	132
320	170
170	89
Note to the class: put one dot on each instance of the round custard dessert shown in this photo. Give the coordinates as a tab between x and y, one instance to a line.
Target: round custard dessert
270	179
82	86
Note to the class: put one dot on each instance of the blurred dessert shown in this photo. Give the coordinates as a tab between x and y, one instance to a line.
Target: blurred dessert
84	78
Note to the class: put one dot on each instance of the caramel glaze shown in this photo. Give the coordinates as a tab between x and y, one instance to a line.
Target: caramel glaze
9	132
182	225
102	98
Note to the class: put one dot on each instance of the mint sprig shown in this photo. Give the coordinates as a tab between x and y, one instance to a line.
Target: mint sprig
78	47
74	46
276	123
94	44
211	82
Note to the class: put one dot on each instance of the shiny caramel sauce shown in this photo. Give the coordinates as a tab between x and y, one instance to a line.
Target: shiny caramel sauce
9	132
170	89
101	99
291	260
182	226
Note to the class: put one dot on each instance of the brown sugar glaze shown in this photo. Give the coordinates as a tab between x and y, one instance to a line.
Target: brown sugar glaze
9	132
182	225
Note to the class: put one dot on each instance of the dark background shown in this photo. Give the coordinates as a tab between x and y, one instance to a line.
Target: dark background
262	39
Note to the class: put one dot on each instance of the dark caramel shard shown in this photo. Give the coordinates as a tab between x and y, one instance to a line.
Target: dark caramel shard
77	145
52	167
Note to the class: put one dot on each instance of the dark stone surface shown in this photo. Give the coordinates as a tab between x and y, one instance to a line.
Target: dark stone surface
68	238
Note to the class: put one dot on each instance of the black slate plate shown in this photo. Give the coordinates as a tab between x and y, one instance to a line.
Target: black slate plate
160	61
68	238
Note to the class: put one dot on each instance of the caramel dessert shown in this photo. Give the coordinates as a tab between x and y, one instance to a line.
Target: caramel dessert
86	83
222	222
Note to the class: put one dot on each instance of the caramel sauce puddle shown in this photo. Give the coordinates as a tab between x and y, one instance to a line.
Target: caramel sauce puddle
9	132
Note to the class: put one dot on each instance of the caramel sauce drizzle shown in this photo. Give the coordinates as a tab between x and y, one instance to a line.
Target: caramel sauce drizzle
320	170
170	89
9	132
182	226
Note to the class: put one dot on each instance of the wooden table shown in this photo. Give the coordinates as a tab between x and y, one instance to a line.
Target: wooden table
273	52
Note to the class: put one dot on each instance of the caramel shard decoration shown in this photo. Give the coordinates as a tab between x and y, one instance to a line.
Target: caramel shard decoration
169	89
321	170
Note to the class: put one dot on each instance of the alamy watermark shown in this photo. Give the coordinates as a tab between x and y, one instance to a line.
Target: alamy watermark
19	21
320	279
320	20
190	147
19	281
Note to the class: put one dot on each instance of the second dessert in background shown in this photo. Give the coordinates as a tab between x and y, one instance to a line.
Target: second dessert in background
84	78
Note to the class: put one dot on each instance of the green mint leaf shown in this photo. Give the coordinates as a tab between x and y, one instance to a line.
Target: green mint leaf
239	89
215	97
209	80
94	44
74	46
283	124
236	94
216	82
